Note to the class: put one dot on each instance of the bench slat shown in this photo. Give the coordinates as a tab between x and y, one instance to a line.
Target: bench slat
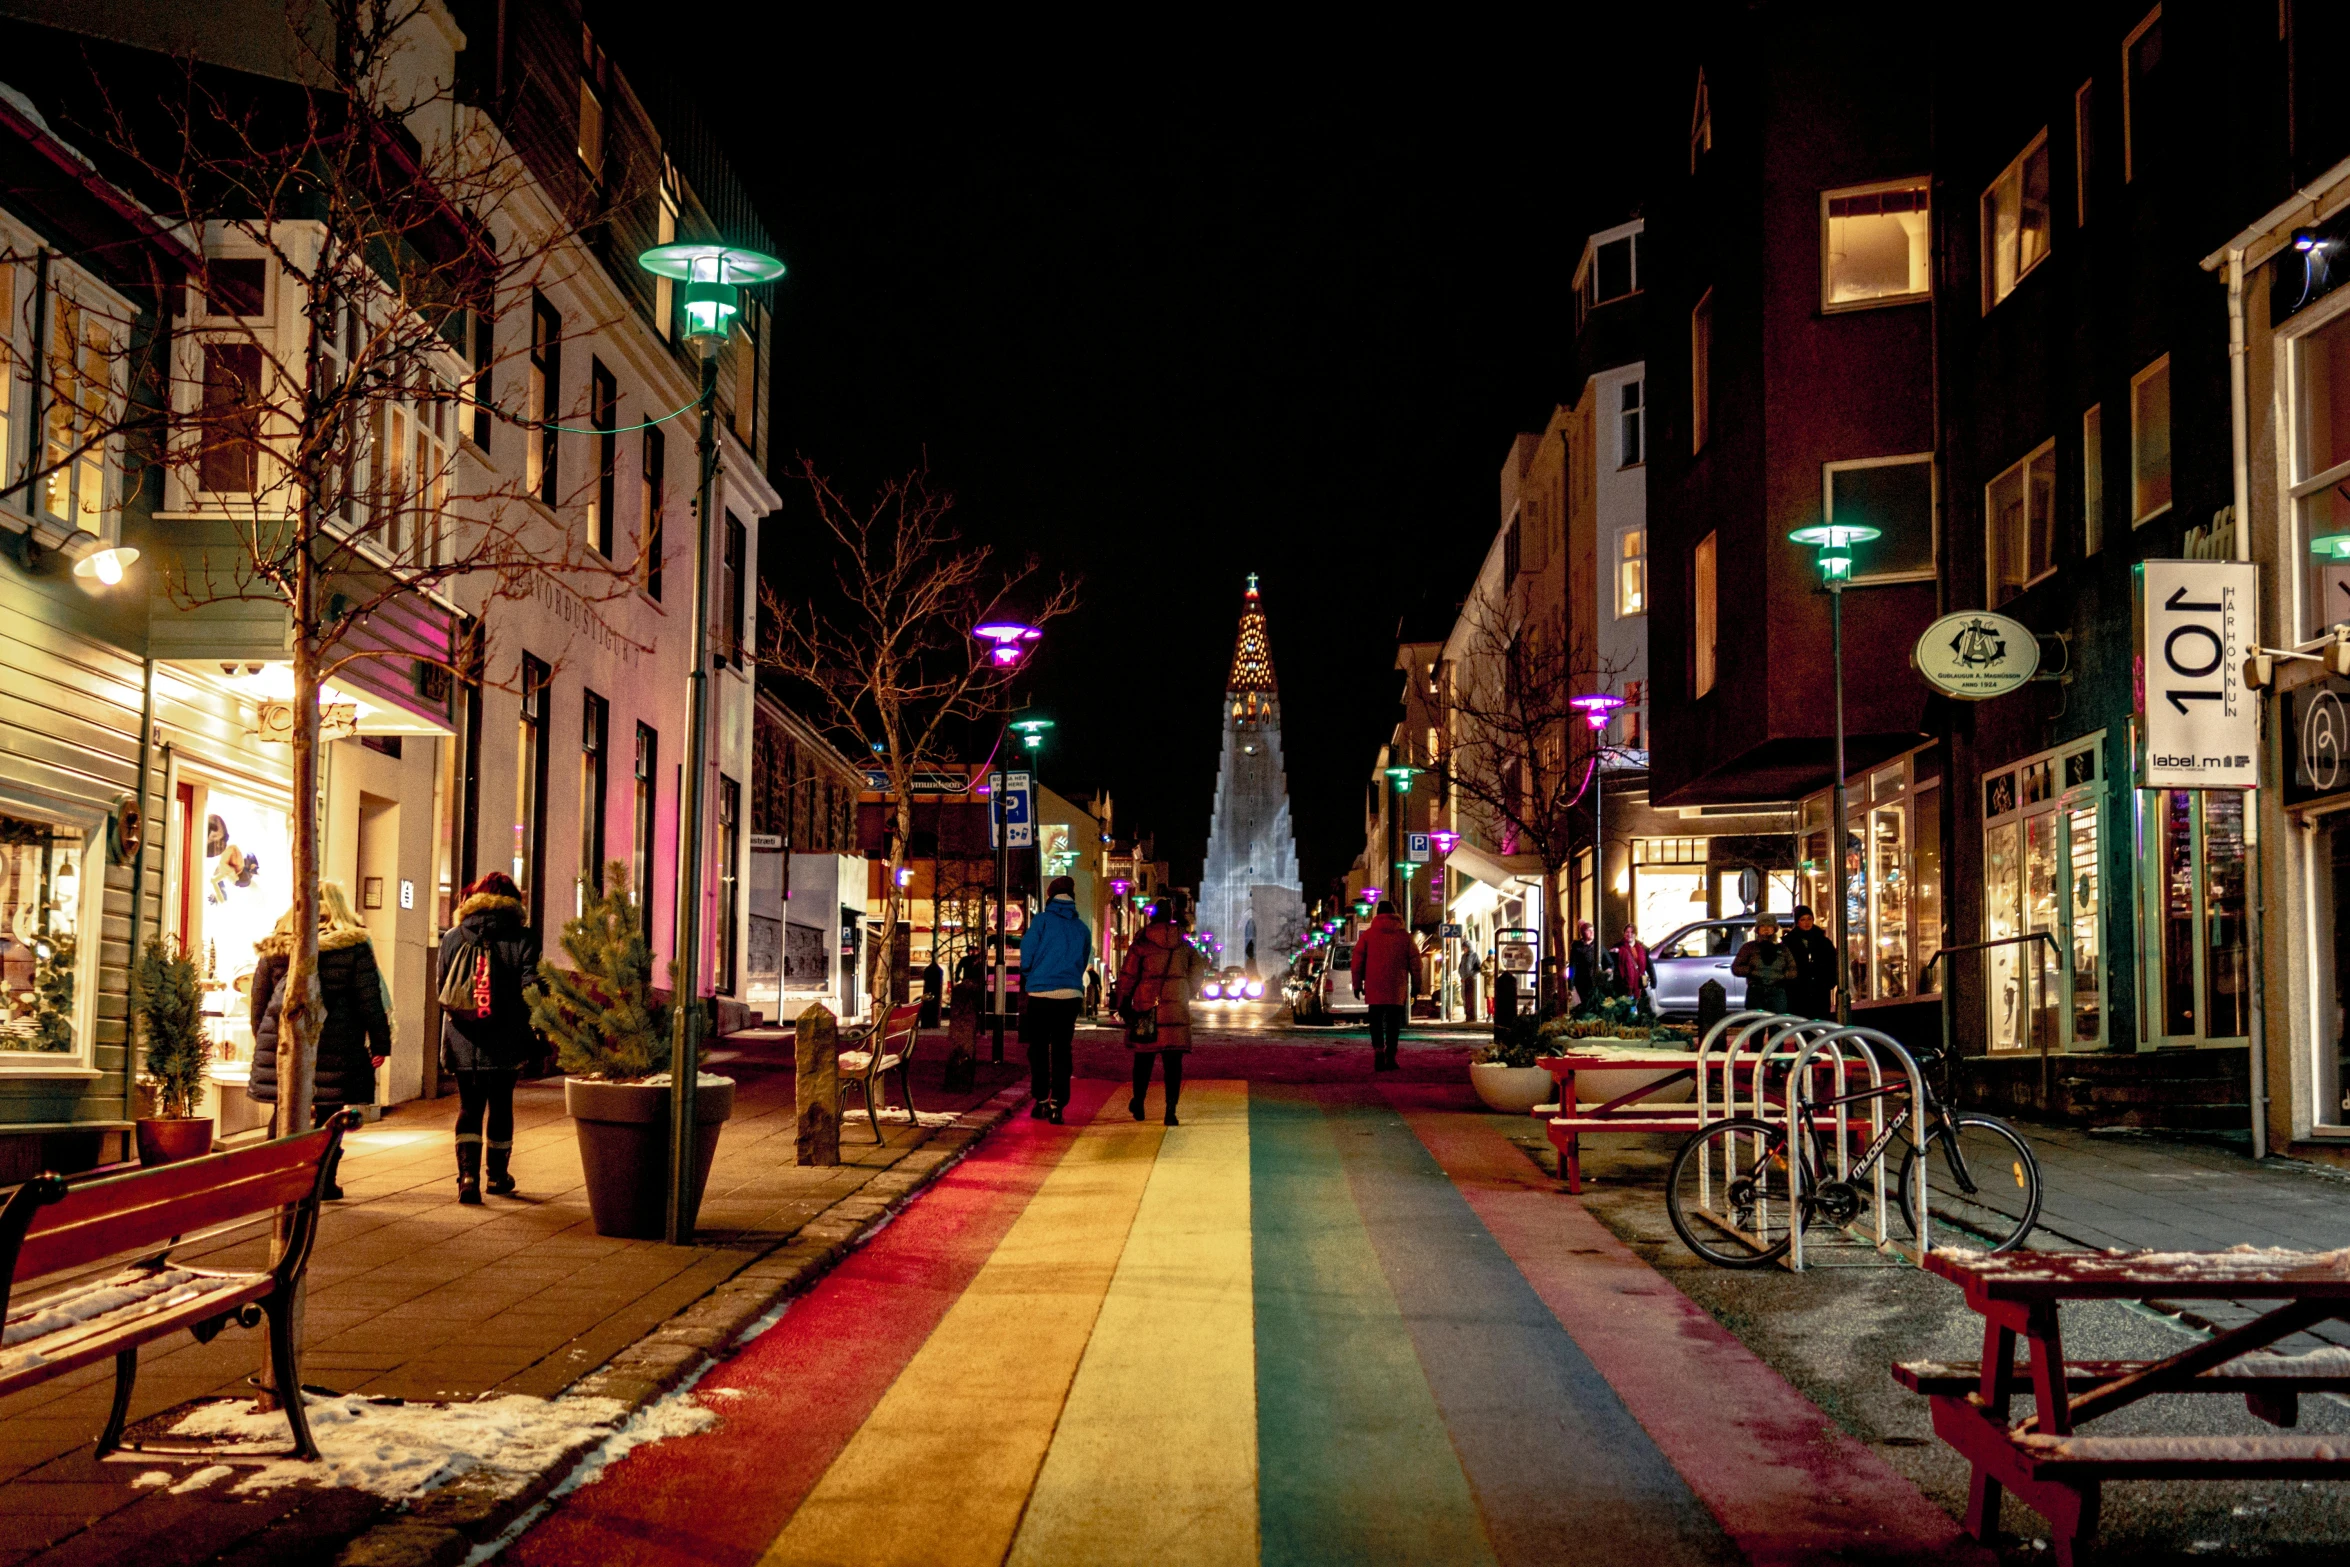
2249	1374
87	1349
100	1219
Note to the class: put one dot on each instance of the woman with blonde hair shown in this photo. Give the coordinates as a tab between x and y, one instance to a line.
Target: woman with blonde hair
355	1037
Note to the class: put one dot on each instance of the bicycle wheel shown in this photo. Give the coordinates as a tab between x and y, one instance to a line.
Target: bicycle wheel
1986	1185
1727	1194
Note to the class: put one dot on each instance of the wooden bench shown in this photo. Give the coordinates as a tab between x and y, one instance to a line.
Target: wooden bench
1729	1087
885	1047
50	1227
2058	1472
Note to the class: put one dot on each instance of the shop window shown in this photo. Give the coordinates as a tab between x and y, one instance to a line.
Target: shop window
2019	507
233	856
42	1001
2330	1015
595	720
2015	222
2199	989
1701	373
2043	825
1873	248
1702	592
1894	495
640	870
2150	441
652	479
545	391
603	415
530	786
1889	878
2093	480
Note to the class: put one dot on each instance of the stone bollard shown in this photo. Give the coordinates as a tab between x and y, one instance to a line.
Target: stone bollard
819	1086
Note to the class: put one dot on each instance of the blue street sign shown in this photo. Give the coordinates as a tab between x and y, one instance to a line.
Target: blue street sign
1012	819
1415	847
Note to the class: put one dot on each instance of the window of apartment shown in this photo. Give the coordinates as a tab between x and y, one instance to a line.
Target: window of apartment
407	476
545	390
1894	495
2141	93
478	386
665	233
595	722
2084	148
652	480
1701	585
1632	426
2093	479
2320	430
1873	246
2015	222
235	288
1892	887
603	415
530	785
1701	372
591	107
732	579
2150	441
2019	508
730	849
640	868
1635	714
747	374
10	358
1512	551
228	436
1701	123
79	408
2043	822
1615	268
1631	572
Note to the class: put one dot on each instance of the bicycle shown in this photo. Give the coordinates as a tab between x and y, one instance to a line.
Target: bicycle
1987	1182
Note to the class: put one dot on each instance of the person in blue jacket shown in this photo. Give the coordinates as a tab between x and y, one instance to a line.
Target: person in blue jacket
1053	954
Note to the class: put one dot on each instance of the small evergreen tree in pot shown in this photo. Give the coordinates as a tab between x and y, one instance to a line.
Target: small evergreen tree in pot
613	1039
169	1003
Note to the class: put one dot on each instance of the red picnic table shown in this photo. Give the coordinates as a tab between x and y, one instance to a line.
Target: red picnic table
1663	1104
2057	1472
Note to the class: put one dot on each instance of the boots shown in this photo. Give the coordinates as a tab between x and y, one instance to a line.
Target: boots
469	1174
501	1184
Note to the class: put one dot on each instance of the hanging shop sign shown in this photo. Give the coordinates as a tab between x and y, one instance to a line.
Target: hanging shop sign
1976	655
336	721
2317	740
2198	725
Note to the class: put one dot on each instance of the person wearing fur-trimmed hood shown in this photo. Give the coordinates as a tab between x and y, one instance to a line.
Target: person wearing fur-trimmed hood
486	959
356	1035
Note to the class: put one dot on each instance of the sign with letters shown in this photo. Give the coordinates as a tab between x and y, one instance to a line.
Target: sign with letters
2197	620
1415	847
1012	812
1976	655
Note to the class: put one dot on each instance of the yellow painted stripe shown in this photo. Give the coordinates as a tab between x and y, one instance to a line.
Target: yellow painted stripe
1156	1456
938	1475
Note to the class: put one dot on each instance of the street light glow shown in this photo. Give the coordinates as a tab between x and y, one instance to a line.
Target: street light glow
714	276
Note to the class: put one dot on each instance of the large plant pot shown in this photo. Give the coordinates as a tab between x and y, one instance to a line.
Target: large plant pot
624	1148
168	1141
1514	1090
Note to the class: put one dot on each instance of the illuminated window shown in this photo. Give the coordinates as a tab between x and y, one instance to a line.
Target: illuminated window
2019	508
1631	572
2015	222
1701	581
2093	480
1873	245
2150	441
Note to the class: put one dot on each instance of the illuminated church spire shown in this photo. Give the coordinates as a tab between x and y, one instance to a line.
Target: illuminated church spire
1251	901
1252	656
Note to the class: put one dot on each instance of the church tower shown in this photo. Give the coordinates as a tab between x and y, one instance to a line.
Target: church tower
1249	894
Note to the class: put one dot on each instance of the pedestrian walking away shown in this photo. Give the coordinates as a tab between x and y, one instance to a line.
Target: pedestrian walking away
355	1036
1767	964
1583	962
1382	965
1153	995
1810	989
1053	951
1634	970
487	958
933	981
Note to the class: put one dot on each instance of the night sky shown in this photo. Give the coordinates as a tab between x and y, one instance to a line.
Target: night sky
1164	333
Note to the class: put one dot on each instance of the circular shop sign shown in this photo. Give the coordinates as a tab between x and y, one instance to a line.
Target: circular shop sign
1976	655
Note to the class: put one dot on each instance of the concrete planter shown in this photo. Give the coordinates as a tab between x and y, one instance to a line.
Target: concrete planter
624	1148
1513	1090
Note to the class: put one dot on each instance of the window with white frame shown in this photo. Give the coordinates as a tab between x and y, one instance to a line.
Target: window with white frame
2015	222
2019	512
2043	823
2093	479
14	280
2150	441
1894	495
83	371
1701	372
2320	436
1873	245
1609	270
1631	572
408	477
1891	877
48	983
1632	425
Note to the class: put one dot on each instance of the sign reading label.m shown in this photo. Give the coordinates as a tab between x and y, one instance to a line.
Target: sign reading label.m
2196	621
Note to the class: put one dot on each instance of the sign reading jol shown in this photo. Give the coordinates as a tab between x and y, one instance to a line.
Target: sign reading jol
2198	727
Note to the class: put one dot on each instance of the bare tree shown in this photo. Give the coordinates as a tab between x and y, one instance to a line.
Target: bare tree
1514	733
890	658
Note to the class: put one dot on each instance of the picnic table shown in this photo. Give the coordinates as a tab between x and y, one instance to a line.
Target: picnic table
2058	1472
1650	1090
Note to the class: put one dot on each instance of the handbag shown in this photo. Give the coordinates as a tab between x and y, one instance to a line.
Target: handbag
1142	1022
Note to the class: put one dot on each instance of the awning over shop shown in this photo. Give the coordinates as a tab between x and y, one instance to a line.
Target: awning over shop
1503	873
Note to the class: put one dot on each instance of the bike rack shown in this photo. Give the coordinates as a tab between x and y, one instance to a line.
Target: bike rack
1783	1035
1869	1042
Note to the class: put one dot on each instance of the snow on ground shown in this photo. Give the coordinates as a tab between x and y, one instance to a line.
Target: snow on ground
398	1451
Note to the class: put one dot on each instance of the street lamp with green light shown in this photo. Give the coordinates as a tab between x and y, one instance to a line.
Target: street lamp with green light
1834	542
714	276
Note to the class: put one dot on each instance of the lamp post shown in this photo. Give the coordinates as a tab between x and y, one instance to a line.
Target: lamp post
714	276
1399	778
1834	541
1598	710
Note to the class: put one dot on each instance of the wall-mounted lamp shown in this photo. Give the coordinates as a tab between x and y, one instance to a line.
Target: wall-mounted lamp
105	566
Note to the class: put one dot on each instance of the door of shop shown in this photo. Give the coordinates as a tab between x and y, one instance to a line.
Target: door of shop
2197	963
2043	874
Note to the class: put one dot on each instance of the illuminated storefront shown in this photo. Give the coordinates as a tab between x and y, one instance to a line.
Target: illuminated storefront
1892	876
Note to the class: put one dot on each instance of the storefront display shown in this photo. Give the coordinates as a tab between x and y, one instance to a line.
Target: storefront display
236	881
40	907
1891	877
2042	830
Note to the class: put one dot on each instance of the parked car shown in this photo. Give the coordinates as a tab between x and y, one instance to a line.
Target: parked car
1694	954
1334	988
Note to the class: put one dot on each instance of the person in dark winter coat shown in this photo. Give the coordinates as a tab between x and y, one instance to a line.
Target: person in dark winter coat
1811	989
1767	964
1157	977
356	1036
486	1038
1384	965
1053	950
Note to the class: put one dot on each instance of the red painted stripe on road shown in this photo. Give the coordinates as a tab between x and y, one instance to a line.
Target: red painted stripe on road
1787	1482
791	1400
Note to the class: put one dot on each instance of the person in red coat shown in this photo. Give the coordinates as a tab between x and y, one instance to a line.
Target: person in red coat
1382	969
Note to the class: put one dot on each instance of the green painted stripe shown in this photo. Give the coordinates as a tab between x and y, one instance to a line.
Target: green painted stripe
1353	1461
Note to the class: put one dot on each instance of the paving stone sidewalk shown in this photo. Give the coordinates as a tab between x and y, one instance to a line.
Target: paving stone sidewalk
412	1296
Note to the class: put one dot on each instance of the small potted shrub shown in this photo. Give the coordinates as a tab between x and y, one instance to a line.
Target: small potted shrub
614	1043
1505	1075
169	1005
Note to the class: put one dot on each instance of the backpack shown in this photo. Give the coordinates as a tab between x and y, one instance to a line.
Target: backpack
465	978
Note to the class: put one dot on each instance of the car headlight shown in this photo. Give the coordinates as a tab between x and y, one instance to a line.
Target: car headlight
1212	991
1256	988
